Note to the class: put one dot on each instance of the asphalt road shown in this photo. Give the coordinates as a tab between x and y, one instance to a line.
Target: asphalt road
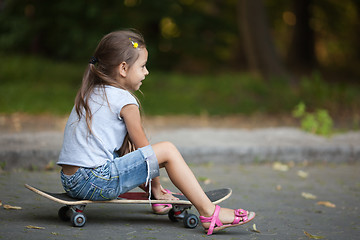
279	194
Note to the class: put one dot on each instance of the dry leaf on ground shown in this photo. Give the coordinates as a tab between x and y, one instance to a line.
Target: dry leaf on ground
207	181
280	167
313	236
302	174
9	207
34	227
308	195
255	229
326	204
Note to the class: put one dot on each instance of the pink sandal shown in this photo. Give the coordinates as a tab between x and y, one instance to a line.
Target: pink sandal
162	211
165	209
241	217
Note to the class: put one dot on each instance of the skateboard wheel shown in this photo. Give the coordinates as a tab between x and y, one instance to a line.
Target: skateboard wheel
191	221
78	219
64	213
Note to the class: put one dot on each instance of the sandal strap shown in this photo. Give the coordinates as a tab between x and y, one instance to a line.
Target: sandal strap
161	204
241	215
214	220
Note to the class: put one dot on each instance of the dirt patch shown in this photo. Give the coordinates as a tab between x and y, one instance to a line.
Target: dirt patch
20	122
238	121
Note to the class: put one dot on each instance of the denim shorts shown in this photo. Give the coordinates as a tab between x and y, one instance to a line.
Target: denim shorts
115	177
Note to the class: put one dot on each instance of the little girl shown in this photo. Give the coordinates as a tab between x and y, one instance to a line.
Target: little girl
105	151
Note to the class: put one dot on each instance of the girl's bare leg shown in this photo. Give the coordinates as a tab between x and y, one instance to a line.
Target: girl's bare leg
183	178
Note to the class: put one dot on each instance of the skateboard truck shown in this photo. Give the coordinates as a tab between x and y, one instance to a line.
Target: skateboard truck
74	213
179	212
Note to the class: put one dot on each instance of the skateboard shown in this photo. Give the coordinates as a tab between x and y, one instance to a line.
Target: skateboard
74	208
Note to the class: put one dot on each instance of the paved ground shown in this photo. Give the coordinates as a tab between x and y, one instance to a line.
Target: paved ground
276	196
272	171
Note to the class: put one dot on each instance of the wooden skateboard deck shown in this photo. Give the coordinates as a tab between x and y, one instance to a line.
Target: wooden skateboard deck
216	196
74	207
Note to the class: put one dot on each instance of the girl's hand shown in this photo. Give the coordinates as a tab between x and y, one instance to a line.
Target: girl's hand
162	194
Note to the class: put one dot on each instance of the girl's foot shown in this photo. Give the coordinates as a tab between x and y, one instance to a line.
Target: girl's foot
224	218
161	209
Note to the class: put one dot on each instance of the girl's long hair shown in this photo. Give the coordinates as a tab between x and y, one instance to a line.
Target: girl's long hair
113	49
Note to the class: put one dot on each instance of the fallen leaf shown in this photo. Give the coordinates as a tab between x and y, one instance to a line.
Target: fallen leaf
308	195
302	174
278	187
34	227
55	233
207	181
255	229
9	207
313	236
280	167
326	204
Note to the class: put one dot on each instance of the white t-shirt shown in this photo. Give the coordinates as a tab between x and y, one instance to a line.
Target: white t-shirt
80	148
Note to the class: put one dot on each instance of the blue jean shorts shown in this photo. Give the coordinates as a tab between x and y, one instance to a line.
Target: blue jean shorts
115	177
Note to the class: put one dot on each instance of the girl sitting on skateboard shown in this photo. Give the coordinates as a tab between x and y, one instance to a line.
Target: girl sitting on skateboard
105	151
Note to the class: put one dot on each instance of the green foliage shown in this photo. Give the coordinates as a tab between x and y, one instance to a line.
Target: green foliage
185	31
37	85
222	94
334	96
2	165
176	30
319	122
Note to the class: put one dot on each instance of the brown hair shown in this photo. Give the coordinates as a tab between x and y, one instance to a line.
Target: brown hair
113	49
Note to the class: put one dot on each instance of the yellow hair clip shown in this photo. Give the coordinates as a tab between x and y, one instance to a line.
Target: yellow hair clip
134	44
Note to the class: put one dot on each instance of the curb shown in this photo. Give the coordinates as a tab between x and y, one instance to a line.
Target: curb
262	145
200	145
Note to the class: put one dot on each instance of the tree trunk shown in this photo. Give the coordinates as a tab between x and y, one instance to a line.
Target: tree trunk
301	55
260	52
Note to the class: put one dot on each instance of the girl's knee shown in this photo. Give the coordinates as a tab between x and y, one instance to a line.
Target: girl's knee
164	151
164	146
170	146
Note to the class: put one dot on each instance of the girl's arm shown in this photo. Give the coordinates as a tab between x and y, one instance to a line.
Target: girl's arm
132	118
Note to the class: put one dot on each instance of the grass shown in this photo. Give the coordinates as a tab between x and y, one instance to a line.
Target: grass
34	85
37	85
231	93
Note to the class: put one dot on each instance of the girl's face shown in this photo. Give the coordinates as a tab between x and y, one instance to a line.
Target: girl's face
137	72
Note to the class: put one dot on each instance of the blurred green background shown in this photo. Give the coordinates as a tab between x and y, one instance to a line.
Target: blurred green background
220	57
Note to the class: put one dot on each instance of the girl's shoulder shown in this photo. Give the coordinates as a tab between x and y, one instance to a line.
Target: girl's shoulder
114	94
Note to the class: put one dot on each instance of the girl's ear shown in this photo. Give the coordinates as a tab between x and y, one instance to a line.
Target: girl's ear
123	68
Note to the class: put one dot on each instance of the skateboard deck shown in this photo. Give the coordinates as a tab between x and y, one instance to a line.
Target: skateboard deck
74	207
216	196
